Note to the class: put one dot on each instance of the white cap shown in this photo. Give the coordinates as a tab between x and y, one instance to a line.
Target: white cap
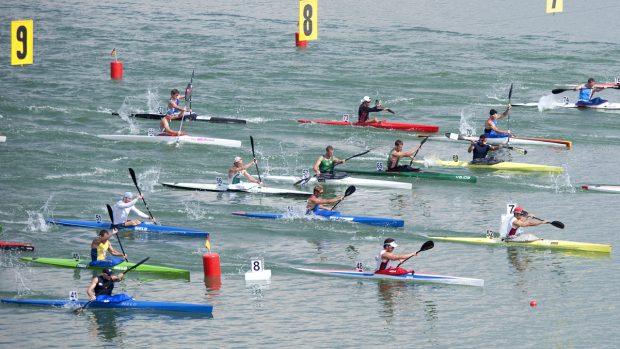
366	99
128	195
237	159
393	244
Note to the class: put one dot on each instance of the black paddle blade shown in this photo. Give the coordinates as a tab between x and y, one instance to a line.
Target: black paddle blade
111	214
136	265
558	224
559	90
510	93
350	190
252	144
133	176
424	140
427	246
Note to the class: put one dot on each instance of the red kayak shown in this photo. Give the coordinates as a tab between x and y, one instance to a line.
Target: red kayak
4	245
381	124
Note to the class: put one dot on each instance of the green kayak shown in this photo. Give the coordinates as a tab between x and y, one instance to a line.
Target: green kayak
418	174
119	268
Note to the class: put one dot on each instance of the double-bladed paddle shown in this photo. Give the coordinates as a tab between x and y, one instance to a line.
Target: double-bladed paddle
556	224
560	90
425	246
254	156
135	182
417	150
112	226
125	272
350	190
188	97
509	97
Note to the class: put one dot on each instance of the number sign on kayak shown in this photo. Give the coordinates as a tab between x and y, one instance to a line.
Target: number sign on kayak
345	117
308	26
76	256
98	218
22	39
379	166
218	182
73	296
150	132
305	173
256	265
554	6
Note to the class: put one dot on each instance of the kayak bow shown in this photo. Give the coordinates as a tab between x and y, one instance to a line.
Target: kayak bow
612	189
505	166
543	243
5	245
362	182
381	124
250	189
128	304
121	267
142	227
174	140
191	117
377	221
417	174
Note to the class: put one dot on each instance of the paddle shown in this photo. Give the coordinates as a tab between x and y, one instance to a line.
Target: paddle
117	235
509	97
378	104
556	224
135	182
417	150
254	156
126	271
425	246
347	159
560	90
188	96
350	190
459	137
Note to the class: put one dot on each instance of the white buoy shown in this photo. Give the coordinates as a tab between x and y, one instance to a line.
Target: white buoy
257	271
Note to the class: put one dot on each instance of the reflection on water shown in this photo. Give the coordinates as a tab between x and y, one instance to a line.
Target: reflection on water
402	297
104	325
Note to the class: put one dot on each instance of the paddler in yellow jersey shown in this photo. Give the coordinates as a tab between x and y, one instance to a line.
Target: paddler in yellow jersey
238	169
325	163
99	250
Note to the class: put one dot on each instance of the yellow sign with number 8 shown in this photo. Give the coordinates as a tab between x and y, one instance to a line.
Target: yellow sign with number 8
308	26
22	42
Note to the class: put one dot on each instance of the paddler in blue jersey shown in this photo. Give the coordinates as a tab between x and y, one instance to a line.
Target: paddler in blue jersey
239	169
387	260
315	203
490	126
99	248
480	150
175	111
125	205
325	163
101	287
586	91
364	110
396	154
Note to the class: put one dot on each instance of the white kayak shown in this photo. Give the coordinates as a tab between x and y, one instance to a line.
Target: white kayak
251	188
2	138
604	106
614	189
448	137
174	139
362	182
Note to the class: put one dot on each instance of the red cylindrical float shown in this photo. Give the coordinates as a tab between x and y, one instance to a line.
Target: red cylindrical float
213	283
211	264
298	43
116	70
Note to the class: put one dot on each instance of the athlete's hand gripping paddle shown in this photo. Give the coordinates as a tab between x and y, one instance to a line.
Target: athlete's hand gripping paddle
350	190
425	246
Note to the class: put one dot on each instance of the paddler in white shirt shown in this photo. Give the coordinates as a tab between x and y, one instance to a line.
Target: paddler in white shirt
238	169
514	225
122	208
175	111
99	248
387	260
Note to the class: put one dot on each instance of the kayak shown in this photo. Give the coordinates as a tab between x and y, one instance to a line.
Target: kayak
191	117
614	189
84	264
344	181
381	124
416	277
142	227
377	221
174	139
604	106
559	143
127	304
251	189
2	138
543	243
417	174
504	166
4	245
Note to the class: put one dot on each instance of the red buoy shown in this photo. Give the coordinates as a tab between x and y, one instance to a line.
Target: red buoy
116	70
298	43
211	265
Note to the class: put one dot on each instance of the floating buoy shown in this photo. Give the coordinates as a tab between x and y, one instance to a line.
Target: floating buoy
211	265
533	303
257	271
116	70
299	43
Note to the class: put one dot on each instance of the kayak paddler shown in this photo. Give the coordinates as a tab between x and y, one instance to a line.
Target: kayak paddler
586	91
125	205
164	127
175	111
490	126
364	110
315	203
387	260
101	287
518	221
238	169
396	154
99	248
325	163
480	149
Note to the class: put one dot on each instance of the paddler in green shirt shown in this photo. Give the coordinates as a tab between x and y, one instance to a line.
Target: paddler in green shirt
325	163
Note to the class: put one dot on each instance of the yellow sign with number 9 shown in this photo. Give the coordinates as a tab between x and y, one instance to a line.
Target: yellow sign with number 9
308	26
22	39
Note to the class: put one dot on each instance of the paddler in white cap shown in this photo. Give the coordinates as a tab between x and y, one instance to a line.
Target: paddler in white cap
125	205
365	109
238	169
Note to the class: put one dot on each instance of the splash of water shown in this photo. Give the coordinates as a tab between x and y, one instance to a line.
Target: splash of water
547	102
147	179
466	126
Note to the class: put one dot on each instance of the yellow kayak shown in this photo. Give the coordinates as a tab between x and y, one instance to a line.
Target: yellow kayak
501	166
543	243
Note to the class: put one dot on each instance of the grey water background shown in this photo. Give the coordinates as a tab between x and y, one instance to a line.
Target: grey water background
442	62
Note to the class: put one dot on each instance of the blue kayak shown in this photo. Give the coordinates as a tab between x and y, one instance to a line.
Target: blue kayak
381	222
127	304
142	227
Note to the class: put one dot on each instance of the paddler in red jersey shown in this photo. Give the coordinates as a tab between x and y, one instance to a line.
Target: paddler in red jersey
365	109
174	109
387	260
